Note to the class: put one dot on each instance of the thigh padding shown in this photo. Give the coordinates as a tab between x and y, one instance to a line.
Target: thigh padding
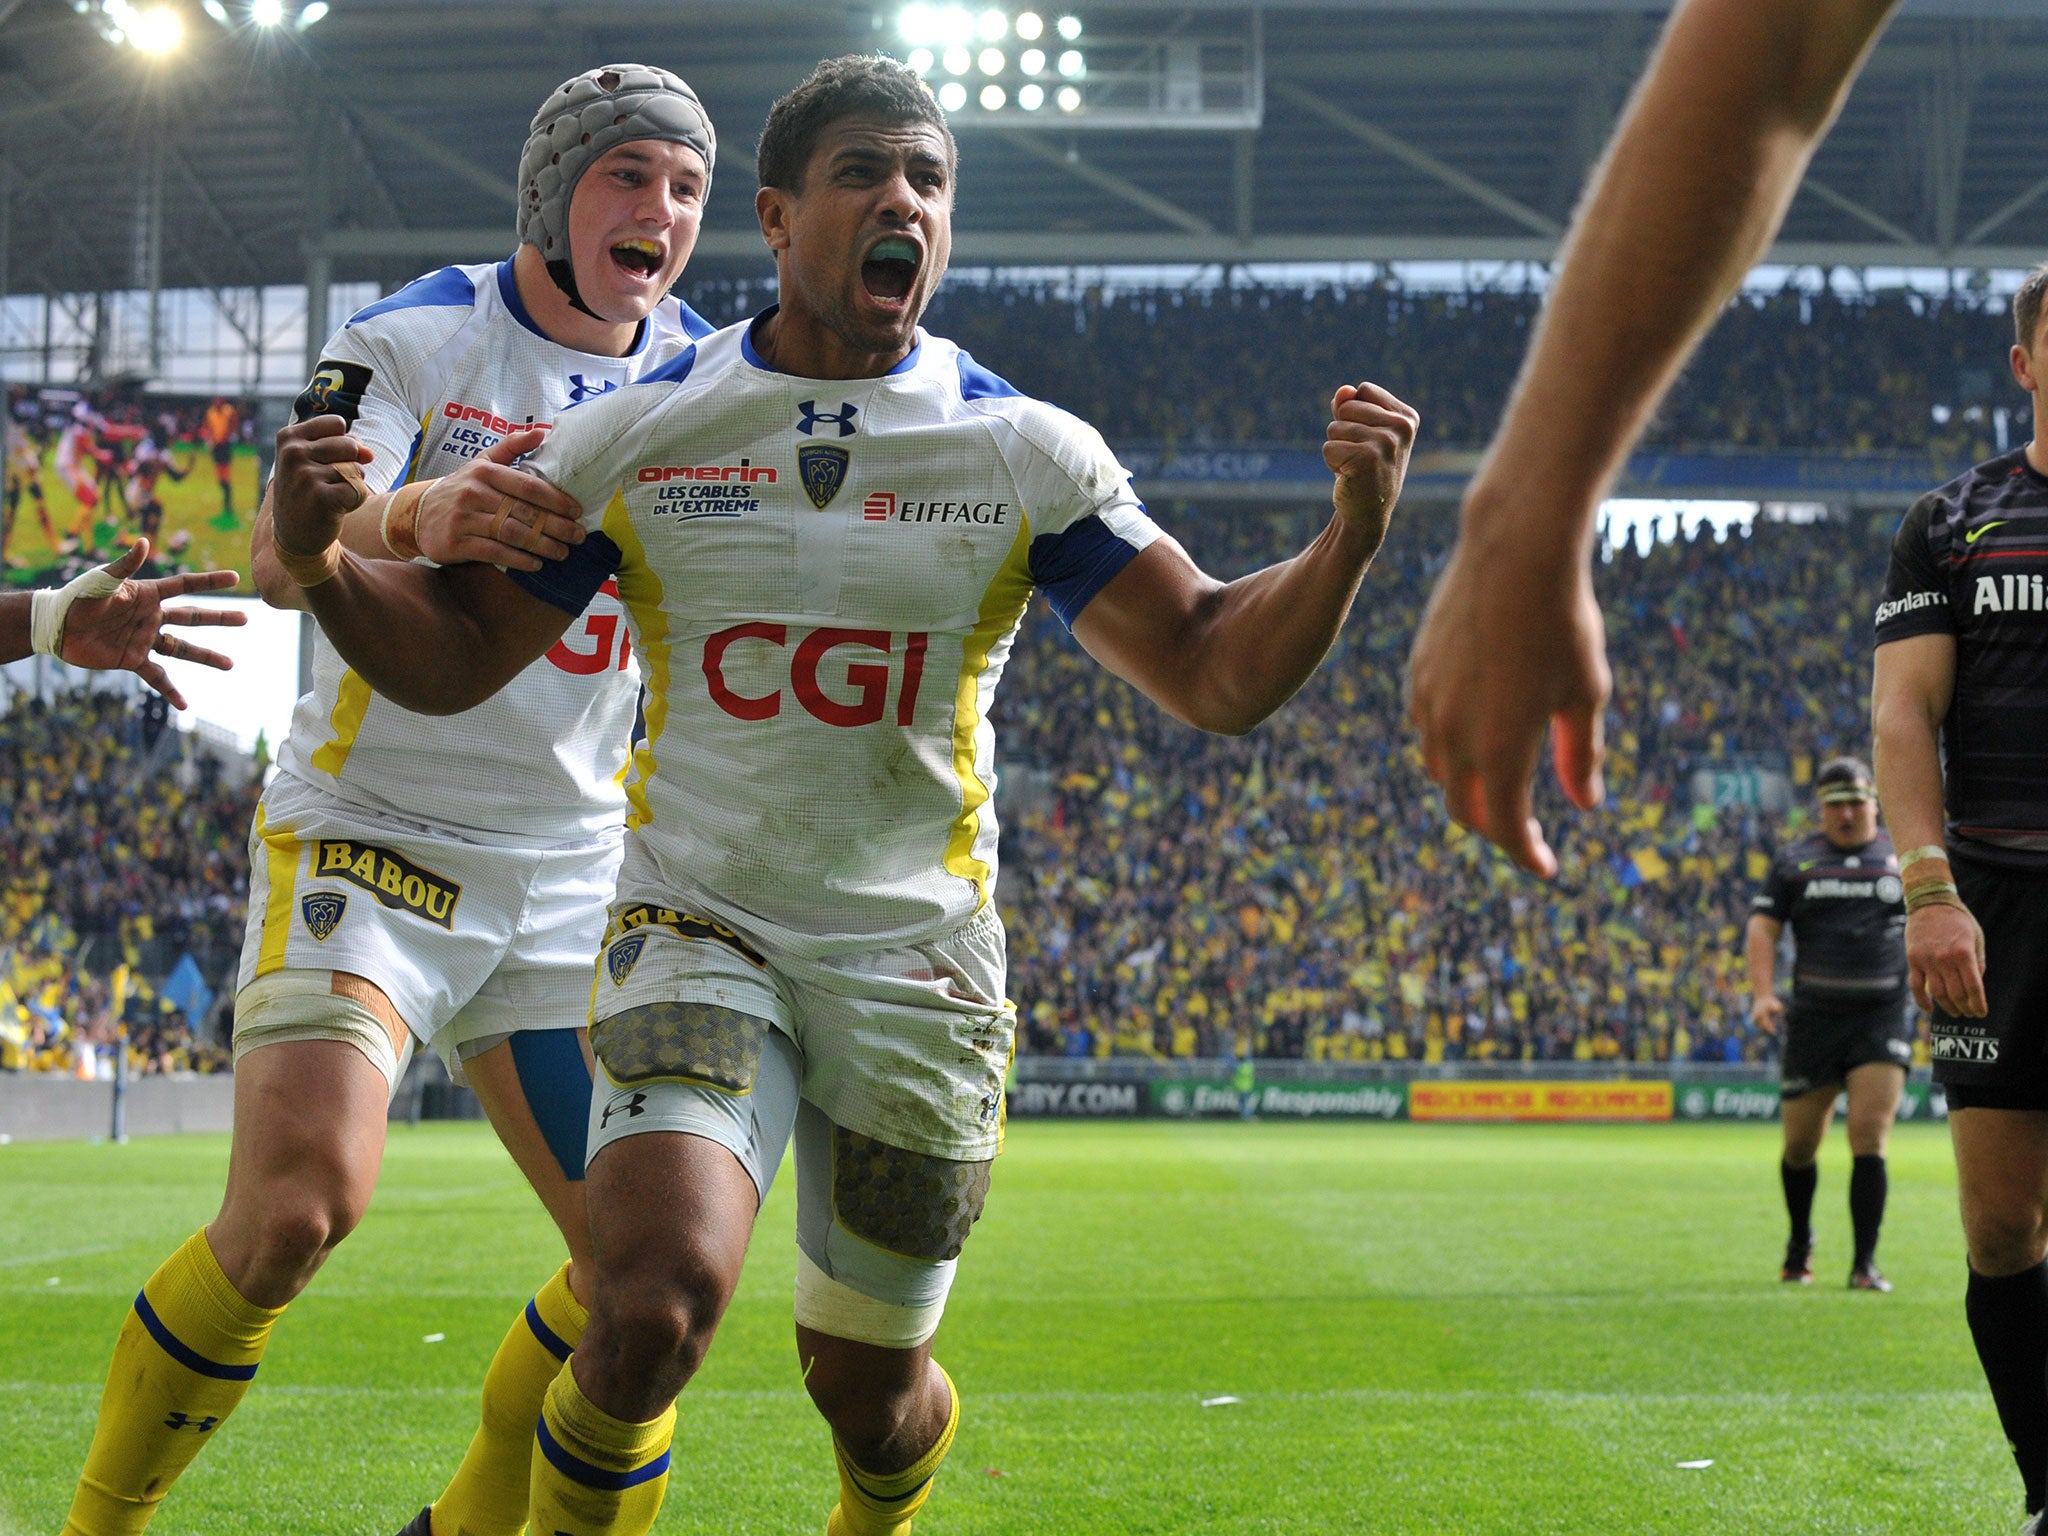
907	1202
681	1042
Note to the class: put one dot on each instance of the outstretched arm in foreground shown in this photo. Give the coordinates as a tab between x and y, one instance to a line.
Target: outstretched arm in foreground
1690	194
109	622
434	641
1224	655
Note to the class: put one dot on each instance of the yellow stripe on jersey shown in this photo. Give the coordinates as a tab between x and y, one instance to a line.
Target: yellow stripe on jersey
281	874
640	590
1002	606
352	698
351	704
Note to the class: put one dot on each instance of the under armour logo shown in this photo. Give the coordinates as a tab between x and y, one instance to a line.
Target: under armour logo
184	1421
813	418
580	391
636	1105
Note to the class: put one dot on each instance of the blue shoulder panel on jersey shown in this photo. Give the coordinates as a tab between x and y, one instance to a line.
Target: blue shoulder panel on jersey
977	383
695	326
572	581
674	371
515	306
1071	567
449	288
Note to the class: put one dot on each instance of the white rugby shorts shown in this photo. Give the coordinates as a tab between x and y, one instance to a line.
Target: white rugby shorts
468	940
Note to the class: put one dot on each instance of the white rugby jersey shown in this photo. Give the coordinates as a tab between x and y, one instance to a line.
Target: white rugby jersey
823	578
430	377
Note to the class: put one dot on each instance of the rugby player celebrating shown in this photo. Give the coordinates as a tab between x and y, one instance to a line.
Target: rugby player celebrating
438	880
826	526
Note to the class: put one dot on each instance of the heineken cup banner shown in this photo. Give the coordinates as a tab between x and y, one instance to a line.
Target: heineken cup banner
1294	1100
1748	1099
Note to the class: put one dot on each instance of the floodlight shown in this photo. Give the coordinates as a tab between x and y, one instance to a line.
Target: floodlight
1072	65
1069	99
1031	97
992	26
216	10
992	98
920	61
914	24
1032	61
157	31
952	95
992	61
1070	27
267	13
311	14
958	61
951	25
1030	26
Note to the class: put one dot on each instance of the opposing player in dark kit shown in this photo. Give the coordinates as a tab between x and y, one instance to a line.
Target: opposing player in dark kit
1847	1027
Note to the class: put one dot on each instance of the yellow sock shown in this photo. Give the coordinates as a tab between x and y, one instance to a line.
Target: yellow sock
487	1496
184	1358
594	1475
883	1506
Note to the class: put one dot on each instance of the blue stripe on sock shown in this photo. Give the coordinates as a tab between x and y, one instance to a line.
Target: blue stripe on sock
181	1352
550	1340
595	1477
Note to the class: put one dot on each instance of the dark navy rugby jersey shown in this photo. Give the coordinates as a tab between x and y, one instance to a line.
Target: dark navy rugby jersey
1847	909
1971	560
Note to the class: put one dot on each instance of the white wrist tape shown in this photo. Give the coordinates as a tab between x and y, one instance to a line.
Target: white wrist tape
48	609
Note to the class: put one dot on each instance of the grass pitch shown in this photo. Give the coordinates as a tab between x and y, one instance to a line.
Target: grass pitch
191	506
1430	1329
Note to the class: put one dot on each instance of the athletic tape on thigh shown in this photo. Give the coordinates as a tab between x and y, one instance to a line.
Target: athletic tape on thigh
830	1306
302	1005
698	1043
556	1081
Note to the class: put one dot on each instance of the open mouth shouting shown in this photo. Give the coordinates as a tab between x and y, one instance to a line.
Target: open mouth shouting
641	259
890	270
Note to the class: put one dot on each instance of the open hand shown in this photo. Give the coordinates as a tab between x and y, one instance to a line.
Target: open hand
120	631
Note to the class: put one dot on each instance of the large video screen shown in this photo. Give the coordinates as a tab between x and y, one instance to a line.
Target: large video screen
89	469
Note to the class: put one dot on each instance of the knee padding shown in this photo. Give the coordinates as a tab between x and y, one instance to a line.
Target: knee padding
556	1081
698	1043
303	1005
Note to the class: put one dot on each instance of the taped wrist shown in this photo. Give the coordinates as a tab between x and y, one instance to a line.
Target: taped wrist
1913	856
1934	893
402	519
48	609
309	570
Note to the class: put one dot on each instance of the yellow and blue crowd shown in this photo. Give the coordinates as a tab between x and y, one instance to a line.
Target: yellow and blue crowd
1299	892
110	871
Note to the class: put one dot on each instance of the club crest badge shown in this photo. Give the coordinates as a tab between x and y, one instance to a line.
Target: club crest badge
620	959
822	468
323	911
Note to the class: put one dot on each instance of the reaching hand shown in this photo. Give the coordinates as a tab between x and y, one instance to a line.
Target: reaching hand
1370	436
1512	641
489	512
119	631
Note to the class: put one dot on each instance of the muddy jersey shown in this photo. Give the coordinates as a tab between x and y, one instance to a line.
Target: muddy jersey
1847	909
428	378
1971	560
824	578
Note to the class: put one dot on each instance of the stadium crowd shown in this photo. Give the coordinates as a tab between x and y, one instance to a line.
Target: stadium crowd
111	871
1299	892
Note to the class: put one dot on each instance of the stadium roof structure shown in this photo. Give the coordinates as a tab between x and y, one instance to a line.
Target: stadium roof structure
383	139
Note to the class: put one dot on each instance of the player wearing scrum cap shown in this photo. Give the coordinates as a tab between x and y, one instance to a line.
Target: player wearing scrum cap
440	880
1959	708
1847	1027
